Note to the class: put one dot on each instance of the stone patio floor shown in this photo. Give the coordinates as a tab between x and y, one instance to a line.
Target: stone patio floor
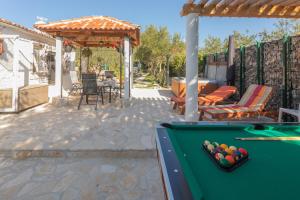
55	151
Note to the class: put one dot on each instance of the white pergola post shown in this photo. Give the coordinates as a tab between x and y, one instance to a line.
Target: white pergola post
127	68
131	68
191	112
15	91
58	66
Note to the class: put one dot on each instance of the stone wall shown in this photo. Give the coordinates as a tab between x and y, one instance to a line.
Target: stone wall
273	68
273	71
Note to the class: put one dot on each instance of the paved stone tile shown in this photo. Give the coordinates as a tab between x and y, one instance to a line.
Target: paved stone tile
111	127
84	179
63	153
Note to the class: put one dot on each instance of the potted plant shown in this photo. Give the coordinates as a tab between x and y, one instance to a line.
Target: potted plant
68	46
86	52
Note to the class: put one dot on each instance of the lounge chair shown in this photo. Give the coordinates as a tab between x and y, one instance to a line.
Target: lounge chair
251	104
90	87
217	97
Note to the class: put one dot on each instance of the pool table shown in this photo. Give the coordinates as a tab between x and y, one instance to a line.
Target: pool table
272	171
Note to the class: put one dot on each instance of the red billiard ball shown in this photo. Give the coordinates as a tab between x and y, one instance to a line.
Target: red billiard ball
230	159
243	151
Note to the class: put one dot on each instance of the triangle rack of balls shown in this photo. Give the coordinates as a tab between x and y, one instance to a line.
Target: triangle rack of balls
226	157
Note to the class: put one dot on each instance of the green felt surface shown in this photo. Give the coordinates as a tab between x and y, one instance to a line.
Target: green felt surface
273	171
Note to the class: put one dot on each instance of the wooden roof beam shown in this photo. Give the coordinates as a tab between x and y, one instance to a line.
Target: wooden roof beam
232	7
267	9
245	8
258	6
222	5
210	7
291	3
235	7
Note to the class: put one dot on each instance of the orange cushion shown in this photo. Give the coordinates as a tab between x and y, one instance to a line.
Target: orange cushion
222	93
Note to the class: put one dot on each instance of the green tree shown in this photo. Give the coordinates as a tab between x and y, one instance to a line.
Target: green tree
212	45
158	50
282	27
264	36
155	45
246	39
100	58
296	26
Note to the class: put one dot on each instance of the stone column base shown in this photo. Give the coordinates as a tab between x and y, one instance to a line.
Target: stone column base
58	101
125	103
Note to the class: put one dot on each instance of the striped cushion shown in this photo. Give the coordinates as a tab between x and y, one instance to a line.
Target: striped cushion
222	93
253	101
256	97
228	112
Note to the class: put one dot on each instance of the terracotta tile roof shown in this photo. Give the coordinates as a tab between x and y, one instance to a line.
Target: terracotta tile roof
10	23
95	23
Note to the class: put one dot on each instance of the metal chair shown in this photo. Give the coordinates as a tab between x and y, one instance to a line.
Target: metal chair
90	87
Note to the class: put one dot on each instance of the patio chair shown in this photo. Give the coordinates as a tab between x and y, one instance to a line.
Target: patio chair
294	112
251	104
76	84
90	87
217	97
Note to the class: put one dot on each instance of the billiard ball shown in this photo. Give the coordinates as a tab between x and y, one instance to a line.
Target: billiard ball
224	162
243	151
206	142
224	146
210	147
233	148
219	156
224	153
229	151
219	149
236	155
215	144
230	159
213	152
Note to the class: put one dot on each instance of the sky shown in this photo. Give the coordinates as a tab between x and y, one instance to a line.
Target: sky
141	12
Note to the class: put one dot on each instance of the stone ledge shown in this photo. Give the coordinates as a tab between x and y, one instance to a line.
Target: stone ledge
24	154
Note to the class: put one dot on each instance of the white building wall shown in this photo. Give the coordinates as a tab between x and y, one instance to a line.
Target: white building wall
25	62
217	73
26	74
6	63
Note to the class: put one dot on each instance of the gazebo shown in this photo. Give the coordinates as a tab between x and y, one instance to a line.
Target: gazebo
94	31
223	8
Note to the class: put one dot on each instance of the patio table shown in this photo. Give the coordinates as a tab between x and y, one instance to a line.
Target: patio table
106	84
